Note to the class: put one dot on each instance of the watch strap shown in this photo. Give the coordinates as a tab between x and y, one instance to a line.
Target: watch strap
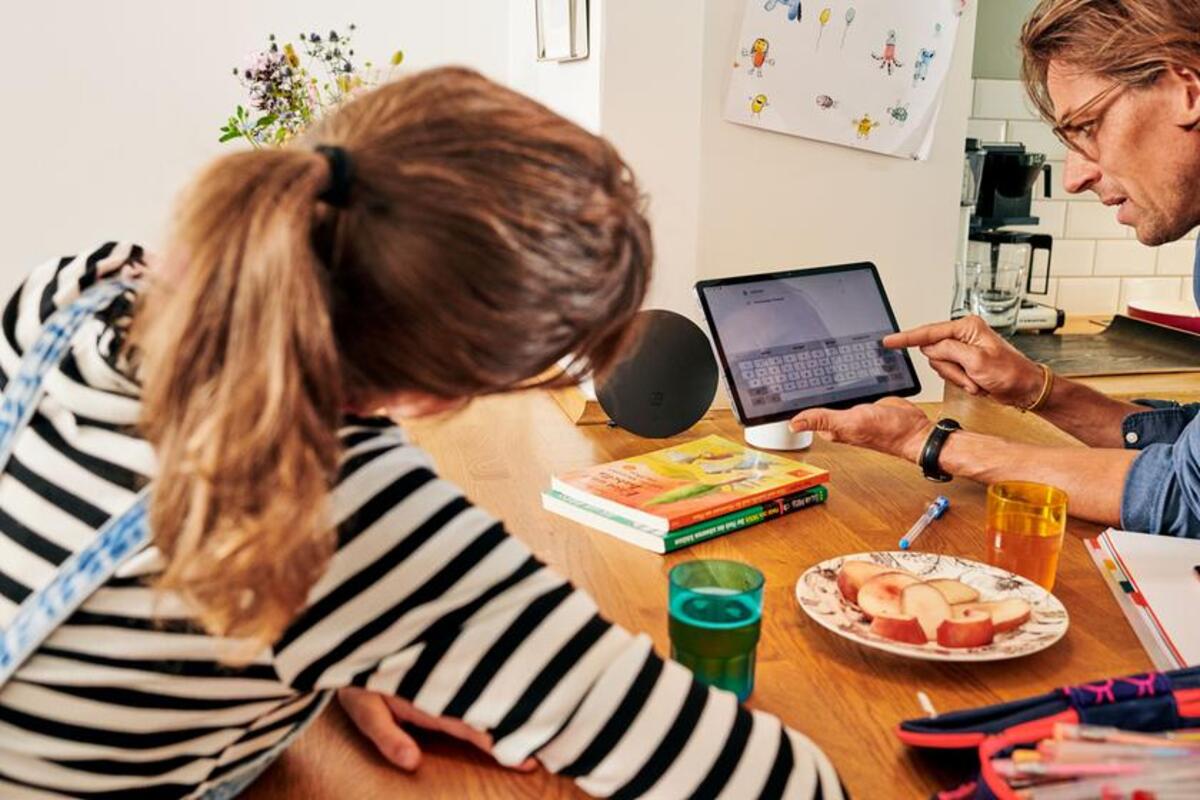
931	453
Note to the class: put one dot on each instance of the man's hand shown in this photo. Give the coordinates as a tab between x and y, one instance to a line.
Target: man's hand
891	426
381	716
969	354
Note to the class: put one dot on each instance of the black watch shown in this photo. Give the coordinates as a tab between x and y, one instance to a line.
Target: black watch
931	453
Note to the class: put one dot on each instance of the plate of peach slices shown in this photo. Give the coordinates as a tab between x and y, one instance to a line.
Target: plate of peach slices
931	606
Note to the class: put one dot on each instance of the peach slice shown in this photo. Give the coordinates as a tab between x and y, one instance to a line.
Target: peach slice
955	592
881	594
971	628
854	574
927	604
899	628
1006	615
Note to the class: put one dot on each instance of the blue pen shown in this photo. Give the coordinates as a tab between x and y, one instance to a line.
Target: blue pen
936	509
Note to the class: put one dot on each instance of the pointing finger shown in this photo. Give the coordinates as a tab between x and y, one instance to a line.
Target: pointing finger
925	335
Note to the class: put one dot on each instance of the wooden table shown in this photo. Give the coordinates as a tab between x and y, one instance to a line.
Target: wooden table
847	698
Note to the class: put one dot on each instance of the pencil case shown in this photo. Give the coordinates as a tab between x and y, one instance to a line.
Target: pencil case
1149	703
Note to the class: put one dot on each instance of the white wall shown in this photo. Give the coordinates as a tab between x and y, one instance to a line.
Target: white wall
652	92
110	106
726	199
119	102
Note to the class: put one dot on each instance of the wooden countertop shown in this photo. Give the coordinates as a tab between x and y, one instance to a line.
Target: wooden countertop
847	698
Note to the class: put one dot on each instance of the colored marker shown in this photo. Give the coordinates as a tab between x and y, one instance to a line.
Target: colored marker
936	509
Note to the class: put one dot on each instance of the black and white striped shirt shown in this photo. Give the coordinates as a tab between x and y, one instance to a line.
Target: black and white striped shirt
426	597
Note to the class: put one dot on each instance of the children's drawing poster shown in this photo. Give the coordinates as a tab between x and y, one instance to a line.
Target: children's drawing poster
862	73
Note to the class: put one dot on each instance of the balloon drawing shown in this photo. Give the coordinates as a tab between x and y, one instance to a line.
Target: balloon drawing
849	21
824	20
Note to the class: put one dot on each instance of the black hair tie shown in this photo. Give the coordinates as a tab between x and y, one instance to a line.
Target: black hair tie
341	175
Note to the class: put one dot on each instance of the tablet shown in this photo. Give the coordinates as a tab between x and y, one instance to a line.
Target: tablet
803	338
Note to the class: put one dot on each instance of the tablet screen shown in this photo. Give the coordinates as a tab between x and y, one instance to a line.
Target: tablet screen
804	338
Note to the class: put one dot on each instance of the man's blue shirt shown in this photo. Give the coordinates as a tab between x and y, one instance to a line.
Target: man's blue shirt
1162	491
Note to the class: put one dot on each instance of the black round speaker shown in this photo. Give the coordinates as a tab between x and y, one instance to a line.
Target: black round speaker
666	383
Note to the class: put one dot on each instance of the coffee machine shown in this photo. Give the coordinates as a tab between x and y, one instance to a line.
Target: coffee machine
998	184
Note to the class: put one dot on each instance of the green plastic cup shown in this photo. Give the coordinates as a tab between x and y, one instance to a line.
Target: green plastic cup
714	617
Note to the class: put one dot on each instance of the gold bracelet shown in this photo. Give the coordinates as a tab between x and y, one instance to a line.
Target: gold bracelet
1044	395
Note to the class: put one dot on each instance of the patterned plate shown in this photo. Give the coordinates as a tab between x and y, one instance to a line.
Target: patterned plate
818	594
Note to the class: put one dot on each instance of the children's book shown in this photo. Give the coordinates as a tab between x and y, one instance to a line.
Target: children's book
689	483
659	542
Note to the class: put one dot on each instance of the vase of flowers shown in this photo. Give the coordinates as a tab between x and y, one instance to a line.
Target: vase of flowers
292	86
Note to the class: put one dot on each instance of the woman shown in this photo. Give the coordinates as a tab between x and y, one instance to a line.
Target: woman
437	239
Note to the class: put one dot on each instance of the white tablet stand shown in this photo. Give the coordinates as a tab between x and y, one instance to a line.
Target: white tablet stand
777	436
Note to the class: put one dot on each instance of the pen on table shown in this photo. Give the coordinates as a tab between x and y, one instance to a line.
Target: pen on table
936	509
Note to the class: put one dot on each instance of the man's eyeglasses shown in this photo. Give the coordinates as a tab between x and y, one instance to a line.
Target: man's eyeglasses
1081	136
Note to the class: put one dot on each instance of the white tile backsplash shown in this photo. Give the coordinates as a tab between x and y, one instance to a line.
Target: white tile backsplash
1176	258
987	130
1098	263
1052	216
1124	258
1088	219
1037	138
1001	100
1073	257
1089	295
1133	289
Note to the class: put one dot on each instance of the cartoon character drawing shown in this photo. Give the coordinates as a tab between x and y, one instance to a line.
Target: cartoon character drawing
864	126
823	18
888	58
757	104
825	102
794	9
850	12
757	53
898	114
921	70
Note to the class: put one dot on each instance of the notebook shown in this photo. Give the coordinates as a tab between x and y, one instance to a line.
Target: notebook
1155	582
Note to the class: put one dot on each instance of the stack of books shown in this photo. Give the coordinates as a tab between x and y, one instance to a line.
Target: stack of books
686	494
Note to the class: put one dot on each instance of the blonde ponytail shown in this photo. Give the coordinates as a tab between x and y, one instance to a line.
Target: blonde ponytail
242	395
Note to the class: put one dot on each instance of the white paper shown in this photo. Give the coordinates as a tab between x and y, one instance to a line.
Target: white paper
863	74
1162	568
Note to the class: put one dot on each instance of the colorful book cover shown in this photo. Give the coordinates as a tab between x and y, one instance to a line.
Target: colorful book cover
679	486
666	542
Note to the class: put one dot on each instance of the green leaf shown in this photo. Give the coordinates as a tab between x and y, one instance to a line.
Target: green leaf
241	113
229	135
397	57
265	121
280	135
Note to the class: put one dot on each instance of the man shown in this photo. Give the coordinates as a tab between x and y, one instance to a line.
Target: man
1120	81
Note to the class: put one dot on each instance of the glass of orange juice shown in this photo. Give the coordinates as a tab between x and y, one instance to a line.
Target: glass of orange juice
1025	526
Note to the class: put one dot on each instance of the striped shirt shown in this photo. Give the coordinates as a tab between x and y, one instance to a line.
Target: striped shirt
426	597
